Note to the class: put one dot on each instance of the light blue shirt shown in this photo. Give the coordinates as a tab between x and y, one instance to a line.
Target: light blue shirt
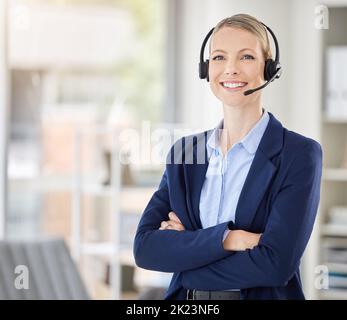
226	176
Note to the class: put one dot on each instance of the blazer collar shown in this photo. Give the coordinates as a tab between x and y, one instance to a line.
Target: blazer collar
272	140
260	174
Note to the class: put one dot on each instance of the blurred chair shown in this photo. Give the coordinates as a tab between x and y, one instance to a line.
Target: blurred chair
52	272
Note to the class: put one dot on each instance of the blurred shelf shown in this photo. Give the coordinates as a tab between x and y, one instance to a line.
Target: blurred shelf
60	184
335	174
100	248
38	184
336	267
133	199
334	242
108	249
333	294
332	120
334	230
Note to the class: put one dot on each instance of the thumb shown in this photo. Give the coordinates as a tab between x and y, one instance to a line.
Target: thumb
173	216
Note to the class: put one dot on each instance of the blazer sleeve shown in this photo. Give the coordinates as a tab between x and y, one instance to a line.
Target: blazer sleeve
170	250
276	258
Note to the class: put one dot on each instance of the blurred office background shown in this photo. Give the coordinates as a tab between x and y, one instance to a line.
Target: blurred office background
75	75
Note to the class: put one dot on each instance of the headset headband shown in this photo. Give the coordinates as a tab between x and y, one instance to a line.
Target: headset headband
277	56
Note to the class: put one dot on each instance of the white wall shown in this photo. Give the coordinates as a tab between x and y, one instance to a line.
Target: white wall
305	88
305	115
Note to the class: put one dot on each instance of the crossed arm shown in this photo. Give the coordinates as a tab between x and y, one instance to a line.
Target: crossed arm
236	240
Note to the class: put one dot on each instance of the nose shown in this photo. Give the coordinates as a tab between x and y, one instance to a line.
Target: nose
231	67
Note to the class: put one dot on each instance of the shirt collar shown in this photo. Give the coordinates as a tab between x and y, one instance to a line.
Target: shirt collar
250	142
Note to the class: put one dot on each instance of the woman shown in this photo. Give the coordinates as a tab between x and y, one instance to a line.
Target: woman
235	225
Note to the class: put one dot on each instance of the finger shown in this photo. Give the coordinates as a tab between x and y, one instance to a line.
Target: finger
175	226
164	224
173	216
171	225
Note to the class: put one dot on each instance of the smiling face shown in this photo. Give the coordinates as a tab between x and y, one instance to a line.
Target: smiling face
236	64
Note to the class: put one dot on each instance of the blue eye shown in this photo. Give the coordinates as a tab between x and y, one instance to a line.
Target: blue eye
217	58
247	57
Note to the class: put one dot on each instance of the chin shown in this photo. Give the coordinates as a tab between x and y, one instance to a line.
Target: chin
236	102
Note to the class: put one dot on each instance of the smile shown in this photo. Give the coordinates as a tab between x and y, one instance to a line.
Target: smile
233	85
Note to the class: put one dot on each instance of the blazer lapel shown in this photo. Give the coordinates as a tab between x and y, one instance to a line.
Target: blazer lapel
260	174
257	182
194	175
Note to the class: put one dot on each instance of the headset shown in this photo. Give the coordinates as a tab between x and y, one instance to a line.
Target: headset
272	70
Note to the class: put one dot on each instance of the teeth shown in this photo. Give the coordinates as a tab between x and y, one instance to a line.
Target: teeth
233	85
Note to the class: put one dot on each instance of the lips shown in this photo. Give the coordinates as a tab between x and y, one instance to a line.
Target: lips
233	85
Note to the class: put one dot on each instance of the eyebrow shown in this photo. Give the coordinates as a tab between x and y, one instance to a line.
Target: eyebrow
220	50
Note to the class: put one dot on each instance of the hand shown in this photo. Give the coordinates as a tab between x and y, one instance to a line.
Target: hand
172	224
240	240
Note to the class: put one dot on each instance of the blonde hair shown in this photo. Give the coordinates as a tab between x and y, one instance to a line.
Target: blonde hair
251	24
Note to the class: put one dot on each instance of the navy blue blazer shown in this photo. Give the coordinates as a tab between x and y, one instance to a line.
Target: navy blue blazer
279	199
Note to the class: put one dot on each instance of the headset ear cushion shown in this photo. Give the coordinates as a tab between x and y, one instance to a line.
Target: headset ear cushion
203	69
207	66
270	69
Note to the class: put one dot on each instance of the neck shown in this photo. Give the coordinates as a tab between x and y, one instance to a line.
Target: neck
238	121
